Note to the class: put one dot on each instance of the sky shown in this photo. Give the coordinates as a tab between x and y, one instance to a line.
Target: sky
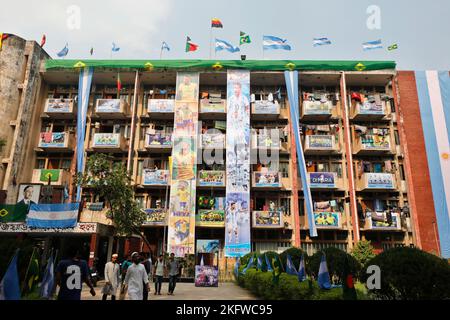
421	28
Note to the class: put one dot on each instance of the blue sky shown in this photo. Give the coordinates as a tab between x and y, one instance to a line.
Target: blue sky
421	28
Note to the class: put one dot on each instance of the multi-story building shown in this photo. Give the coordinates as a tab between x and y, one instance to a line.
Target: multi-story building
351	135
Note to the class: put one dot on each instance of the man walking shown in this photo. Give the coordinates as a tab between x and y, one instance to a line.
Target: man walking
148	267
112	278
159	274
136	278
173	273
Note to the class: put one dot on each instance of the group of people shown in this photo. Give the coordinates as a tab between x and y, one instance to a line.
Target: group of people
131	277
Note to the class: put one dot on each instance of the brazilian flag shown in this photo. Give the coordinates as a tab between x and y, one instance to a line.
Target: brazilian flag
13	212
276	270
53	174
32	275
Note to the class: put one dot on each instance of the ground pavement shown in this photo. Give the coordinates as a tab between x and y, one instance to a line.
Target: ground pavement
185	291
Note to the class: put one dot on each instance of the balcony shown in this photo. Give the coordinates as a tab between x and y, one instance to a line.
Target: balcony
154	178
95	212
60	108
267	180
371	181
386	221
325	180
267	219
372	144
211	178
112	109
58	177
213	108
158	142
212	218
109	142
368	111
265	109
161	108
156	217
327	220
213	141
316	110
321	144
56	142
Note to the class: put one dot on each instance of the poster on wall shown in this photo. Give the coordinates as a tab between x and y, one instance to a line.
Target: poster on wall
155	217
59	105
210	218
161	105
237	213
267	219
206	276
321	180
324	220
208	246
184	170
108	105
29	193
379	180
155	177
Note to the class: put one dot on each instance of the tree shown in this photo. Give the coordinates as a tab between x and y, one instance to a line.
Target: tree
363	252
112	183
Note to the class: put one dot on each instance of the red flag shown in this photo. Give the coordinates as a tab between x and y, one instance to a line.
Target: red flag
190	46
43	40
119	83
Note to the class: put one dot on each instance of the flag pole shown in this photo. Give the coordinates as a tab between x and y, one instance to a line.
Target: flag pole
160	53
210	40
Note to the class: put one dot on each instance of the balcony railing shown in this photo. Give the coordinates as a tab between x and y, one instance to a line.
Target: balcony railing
318	110
368	110
158	141
266	108
108	142
56	141
376	181
157	107
211	178
324	180
372	144
320	144
213	141
60	108
112	108
271	219
213	218
151	177
58	177
382	221
213	106
270	179
327	220
95	212
156	217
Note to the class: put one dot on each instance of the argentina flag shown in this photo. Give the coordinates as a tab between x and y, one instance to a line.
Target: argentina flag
372	45
55	215
321	42
223	45
290	267
272	43
64	51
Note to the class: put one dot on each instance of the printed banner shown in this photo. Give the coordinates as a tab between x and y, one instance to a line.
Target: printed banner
106	140
159	140
161	105
155	217
267	179
210	218
155	177
379	180
206	276
208	246
267	219
80	227
184	166
326	219
59	105
237	219
211	178
208	106
320	142
383	220
213	141
108	105
371	108
52	140
321	180
316	107
265	107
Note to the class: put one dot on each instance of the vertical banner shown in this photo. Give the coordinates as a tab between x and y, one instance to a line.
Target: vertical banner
84	90
291	78
237	219
184	166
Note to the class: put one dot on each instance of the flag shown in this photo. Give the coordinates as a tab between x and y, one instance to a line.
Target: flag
9	287
372	45
43	40
165	46
48	280
278	93
13	212
349	291
64	51
259	265
190	46
269	267
323	278
244	38
393	47
119	83
301	270
3	36
216	23
271	43
202	263
92	51
223	45
33	274
321	42
249	265
236	267
52	174
276	270
114	47
290	267
60	215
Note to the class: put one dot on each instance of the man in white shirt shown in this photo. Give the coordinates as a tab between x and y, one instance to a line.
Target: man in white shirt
136	278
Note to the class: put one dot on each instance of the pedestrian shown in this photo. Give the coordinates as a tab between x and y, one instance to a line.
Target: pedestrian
174	267
70	275
112	278
136	278
125	264
148	268
158	271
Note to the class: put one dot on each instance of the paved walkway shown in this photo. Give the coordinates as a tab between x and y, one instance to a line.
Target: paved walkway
186	291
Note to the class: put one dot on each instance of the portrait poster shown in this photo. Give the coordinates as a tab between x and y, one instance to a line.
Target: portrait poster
29	193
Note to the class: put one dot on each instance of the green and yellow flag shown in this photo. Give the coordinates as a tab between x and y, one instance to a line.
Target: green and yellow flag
244	38
276	270
53	174
13	212
393	47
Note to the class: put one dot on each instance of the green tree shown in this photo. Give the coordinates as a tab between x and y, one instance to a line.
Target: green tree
112	183
363	252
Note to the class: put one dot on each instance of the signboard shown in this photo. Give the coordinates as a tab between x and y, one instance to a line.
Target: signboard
207	106
155	217
383	220
59	105
52	140
320	141
155	177
161	105
159	140
208	246
371	108
379	180
375	141
325	219
265	107
211	178
266	141
322	180
206	276
81	227
108	105
106	139
267	179
237	218
210	218
316	107
267	219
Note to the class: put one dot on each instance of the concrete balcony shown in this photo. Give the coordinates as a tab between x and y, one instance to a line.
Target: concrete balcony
381	221
95	212
213	109
371	181
267	180
158	142
56	142
372	145
109	142
211	178
265	109
60	108
211	218
154	178
112	109
325	180
58	177
367	111
213	141
321	144
267	219
265	142
161	108
315	110
156	217
328	220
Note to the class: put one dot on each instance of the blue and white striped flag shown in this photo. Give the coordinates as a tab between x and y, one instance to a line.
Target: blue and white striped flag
165	46
372	45
259	263
114	47
249	265
236	267
269	266
323	278
301	270
46	290
64	51
223	45
290	267
321	42
56	215
272	43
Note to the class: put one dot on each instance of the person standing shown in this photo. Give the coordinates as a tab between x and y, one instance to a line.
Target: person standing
70	275
159	274
174	267
112	278
148	267
124	267
136	278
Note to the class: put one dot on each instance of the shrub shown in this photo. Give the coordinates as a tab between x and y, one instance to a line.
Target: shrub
411	274
363	252
296	254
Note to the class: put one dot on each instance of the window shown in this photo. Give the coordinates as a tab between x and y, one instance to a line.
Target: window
396	137
284	168
337	167
140	201
40	163
65	163
402	172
